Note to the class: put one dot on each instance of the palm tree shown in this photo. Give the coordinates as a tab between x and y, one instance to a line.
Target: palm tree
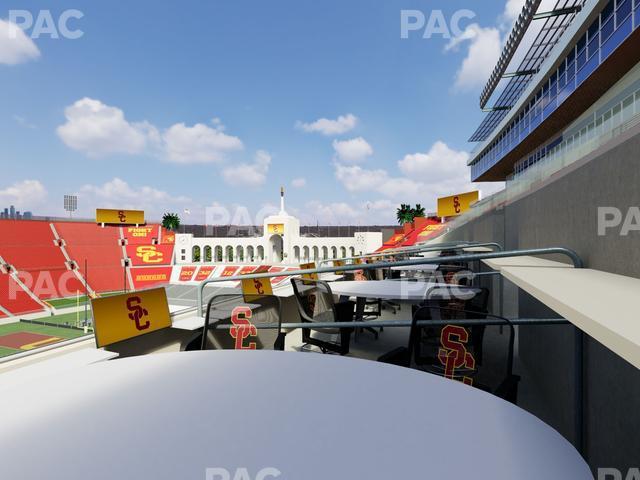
419	211
404	214
171	221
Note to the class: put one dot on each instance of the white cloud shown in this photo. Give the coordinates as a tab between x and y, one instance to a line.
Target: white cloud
439	163
512	10
377	212
198	144
357	179
299	182
98	130
485	45
332	212
25	195
325	126
117	193
355	150
15	46
440	172
249	174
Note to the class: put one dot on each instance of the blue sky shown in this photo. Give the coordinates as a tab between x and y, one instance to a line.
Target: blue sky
174	105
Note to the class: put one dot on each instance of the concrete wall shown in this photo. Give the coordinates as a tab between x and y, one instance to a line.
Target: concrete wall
564	213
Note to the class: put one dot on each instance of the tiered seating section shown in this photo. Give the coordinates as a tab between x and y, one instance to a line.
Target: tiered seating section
14	298
102	251
42	254
410	234
29	251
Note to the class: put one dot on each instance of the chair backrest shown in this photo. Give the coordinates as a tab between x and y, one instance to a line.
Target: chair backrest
425	343
242	317
472	354
315	300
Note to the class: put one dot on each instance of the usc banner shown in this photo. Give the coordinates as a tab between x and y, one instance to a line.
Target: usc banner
204	273
141	235
275	228
150	277
229	272
309	266
120	217
457	204
246	270
127	316
186	274
141	255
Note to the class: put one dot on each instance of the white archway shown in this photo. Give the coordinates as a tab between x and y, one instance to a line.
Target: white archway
275	248
305	254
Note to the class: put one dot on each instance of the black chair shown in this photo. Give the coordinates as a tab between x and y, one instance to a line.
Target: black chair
242	315
425	350
316	304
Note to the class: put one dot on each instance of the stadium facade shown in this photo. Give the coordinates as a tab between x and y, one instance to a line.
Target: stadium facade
563	130
280	242
578	82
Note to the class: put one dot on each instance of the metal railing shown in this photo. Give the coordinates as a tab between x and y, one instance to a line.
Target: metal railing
573	256
417	249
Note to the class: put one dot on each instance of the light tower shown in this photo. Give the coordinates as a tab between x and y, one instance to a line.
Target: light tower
282	210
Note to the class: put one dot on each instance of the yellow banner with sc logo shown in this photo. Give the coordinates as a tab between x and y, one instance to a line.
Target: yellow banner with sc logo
121	317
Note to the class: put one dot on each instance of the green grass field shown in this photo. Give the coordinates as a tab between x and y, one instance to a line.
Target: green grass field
73	301
64	333
66	302
66	318
4	352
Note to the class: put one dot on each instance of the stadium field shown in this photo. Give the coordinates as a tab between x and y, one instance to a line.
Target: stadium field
20	336
7	351
73	301
66	318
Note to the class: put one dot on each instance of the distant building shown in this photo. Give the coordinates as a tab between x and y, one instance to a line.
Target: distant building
12	214
280	242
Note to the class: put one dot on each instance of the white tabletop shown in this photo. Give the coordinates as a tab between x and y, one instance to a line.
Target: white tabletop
394	289
308	416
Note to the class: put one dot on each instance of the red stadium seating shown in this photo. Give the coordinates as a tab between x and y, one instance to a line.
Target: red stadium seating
14	299
29	247
100	248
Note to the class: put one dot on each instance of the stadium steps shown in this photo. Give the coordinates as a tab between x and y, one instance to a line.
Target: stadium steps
29	248
100	248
